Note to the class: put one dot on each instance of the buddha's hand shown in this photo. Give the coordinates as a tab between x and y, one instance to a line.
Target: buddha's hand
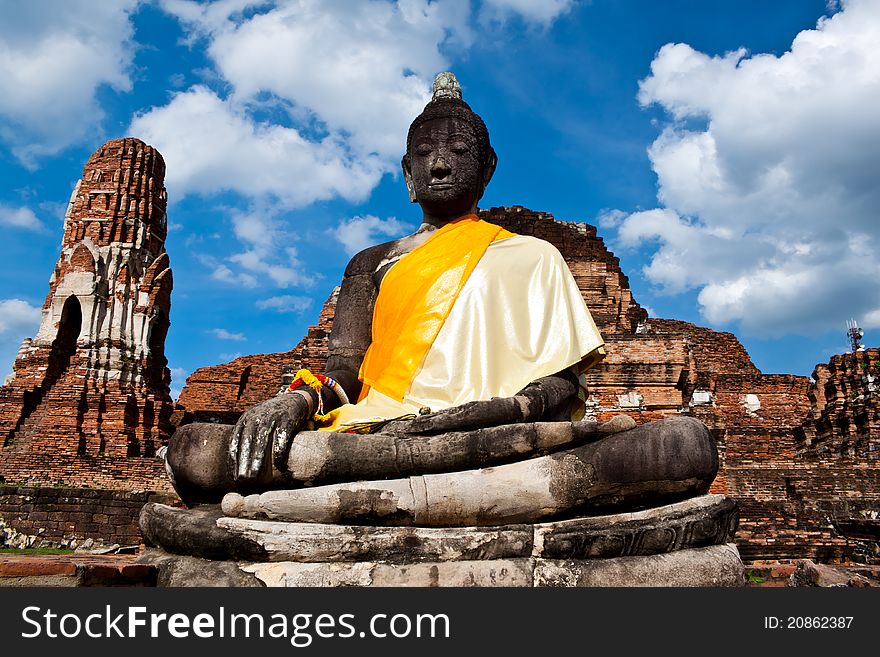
263	435
531	404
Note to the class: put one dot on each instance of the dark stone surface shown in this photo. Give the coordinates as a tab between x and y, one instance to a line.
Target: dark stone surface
194	532
186	571
698	522
351	457
198	457
810	574
657	463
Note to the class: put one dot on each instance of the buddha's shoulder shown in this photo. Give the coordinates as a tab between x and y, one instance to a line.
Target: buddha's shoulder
372	258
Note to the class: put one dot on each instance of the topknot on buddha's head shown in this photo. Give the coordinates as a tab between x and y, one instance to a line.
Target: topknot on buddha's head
447	102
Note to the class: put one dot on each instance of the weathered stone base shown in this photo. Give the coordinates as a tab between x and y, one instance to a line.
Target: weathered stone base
204	532
717	565
684	544
714	566
181	571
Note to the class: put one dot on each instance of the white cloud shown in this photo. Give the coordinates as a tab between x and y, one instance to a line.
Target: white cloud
691	254
220	272
285	273
610	218
178	379
18	317
871	319
307	101
358	233
285	303
212	145
269	255
223	334
178	374
224	274
20	217
542	12
769	177
348	78
207	16
53	58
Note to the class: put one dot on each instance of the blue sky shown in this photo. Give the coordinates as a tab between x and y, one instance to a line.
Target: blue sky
728	151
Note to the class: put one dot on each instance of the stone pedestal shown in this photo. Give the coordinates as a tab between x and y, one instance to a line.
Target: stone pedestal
683	544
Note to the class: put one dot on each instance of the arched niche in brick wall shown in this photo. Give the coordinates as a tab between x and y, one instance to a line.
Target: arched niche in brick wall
64	345
156	334
82	260
69	328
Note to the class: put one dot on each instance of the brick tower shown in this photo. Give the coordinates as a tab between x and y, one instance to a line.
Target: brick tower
89	402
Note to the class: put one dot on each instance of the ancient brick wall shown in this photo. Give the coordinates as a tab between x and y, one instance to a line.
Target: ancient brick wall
795	510
839	442
89	401
844	419
65	517
642	375
794	503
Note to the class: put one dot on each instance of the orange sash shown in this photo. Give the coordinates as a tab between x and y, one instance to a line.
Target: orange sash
415	298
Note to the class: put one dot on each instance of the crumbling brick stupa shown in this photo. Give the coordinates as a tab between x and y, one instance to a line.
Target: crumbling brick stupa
88	403
799	457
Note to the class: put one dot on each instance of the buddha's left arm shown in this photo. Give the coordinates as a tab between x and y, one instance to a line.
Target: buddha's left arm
546	399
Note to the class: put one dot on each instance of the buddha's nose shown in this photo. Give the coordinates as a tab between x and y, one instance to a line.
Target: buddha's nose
440	169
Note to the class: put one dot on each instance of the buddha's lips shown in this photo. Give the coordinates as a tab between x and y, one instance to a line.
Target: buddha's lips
441	185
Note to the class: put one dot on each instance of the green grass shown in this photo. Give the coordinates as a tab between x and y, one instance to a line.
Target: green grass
754	578
41	550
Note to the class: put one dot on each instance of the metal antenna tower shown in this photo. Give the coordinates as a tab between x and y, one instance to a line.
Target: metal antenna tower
855	335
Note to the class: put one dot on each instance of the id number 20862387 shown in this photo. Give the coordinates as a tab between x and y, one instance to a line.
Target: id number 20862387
808	622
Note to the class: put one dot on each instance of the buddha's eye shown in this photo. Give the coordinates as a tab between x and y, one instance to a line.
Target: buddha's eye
459	147
424	149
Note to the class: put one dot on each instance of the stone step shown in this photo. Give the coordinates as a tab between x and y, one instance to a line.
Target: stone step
71	570
714	566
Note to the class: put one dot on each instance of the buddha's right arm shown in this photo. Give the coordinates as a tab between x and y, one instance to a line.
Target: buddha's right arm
352	325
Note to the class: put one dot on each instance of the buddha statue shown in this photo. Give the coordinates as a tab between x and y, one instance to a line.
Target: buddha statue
452	378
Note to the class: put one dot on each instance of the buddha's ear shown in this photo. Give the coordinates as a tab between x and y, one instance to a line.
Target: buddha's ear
489	169
407	177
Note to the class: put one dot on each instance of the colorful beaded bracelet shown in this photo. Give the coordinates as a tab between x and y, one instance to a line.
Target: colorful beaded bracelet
317	381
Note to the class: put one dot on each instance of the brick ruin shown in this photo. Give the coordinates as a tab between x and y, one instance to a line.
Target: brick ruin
88	403
800	456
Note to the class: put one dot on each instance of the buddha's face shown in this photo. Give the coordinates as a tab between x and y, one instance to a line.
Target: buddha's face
445	174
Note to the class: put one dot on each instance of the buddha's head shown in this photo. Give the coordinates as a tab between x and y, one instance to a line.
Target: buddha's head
449	160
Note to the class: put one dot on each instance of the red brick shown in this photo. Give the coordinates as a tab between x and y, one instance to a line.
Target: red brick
35	566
